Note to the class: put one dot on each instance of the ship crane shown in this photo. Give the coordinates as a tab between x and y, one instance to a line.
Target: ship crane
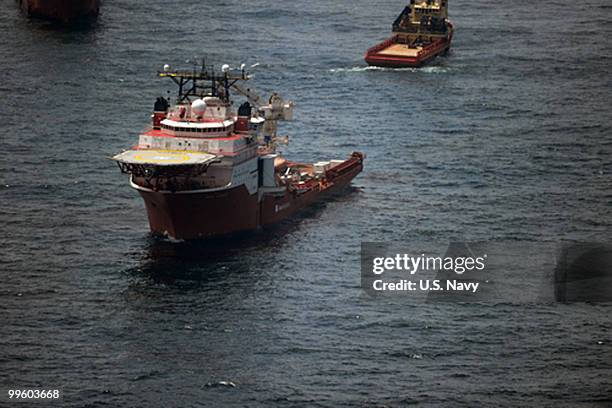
276	109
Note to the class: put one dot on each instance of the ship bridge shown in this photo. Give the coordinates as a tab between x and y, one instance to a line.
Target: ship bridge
423	17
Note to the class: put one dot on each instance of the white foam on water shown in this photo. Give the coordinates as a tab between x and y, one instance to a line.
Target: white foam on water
434	70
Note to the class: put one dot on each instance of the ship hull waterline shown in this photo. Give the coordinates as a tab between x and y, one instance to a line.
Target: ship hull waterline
196	215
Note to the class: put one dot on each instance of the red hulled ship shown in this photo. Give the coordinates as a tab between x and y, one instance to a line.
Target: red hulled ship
204	170
61	10
420	33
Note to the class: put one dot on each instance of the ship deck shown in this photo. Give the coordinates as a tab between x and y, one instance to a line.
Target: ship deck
164	157
401	50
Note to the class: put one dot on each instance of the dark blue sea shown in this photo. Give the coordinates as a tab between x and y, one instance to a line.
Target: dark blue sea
507	139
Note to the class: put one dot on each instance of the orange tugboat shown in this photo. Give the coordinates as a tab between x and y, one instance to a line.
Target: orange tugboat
204	170
420	33
61	10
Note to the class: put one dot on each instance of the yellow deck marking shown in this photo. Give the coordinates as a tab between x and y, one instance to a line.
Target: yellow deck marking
162	157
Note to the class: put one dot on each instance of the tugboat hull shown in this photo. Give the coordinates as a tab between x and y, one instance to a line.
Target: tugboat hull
61	10
200	214
391	53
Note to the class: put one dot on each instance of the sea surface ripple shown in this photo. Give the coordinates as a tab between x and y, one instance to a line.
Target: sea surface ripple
507	138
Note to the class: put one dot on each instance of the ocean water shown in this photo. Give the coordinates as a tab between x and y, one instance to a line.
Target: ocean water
508	138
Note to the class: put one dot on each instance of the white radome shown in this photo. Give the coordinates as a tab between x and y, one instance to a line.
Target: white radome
225	68
166	67
198	107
